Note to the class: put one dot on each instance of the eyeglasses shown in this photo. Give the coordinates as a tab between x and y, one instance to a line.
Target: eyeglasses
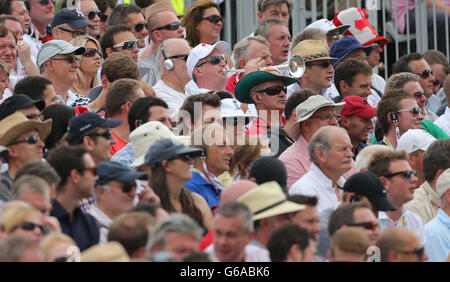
140	26
405	173
183	57
91	14
30	226
418	94
93	170
33	139
127	45
425	74
327	117
418	252
70	60
45	2
215	60
171	26
375	46
369	225
324	64
75	33
127	187
106	134
90	52
35	117
213	19
415	111
273	90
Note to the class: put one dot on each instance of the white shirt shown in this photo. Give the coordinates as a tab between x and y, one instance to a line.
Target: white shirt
35	44
252	254
378	82
173	98
407	220
103	220
433	103
373	98
316	183
444	121
6	94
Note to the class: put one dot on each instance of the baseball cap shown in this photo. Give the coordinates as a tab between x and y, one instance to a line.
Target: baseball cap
368	184
230	108
344	46
201	51
73	17
18	102
167	148
56	47
109	170
326	26
356	105
443	183
415	139
306	109
84	122
269	168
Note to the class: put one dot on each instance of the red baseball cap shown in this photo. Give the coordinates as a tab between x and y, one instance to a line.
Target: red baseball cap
356	105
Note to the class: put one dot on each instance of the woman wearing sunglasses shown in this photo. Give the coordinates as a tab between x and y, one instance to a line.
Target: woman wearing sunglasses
171	162
24	221
90	63
203	24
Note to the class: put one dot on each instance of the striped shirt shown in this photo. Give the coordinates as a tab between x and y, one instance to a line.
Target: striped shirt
425	203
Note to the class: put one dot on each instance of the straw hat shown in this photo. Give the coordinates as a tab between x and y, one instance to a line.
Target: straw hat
17	124
312	50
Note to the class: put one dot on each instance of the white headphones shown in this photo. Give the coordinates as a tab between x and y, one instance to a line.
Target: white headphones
168	63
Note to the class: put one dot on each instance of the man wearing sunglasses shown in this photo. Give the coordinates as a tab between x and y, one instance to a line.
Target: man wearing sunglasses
120	38
68	24
115	192
24	139
41	14
400	181
130	15
92	14
400	245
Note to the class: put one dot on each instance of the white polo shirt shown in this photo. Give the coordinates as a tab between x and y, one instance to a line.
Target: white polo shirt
407	220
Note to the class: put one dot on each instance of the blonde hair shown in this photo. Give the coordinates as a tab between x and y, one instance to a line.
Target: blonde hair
82	41
12	218
4	67
50	240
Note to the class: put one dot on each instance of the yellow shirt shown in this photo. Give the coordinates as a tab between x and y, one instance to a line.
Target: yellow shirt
425	203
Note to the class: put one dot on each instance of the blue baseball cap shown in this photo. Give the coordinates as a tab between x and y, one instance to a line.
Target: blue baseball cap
167	148
344	46
84	122
73	17
108	170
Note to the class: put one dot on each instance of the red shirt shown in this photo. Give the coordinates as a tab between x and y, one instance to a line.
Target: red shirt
232	82
118	146
259	126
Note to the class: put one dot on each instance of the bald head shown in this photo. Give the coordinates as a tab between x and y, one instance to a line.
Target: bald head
233	191
394	240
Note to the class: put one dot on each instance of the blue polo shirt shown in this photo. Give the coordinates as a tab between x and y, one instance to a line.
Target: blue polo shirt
199	185
82	229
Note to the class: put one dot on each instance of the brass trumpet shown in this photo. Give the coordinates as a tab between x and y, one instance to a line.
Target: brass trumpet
295	66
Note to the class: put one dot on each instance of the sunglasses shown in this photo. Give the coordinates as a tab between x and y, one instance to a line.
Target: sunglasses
106	134
33	139
93	170
183	57
74	32
274	90
369	225
213	19
127	187
140	26
103	18
436	82
419	94
70	60
90	52
91	14
425	74
60	259
215	60
419	252
30	226
127	45
405	173
171	26
45	2
35	117
186	157
324	64
415	111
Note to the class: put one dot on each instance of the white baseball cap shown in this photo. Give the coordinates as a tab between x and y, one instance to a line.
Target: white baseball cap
443	183
415	139
201	51
326	26
230	107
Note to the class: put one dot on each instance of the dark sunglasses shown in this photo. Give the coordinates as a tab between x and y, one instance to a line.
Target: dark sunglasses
127	186
171	26
70	60
127	45
186	157
405	173
415	111
425	74
418	94
75	33
369	225
215	60
34	116
324	64
274	90
45	2
140	26
106	134
103	18
419	252
30	226
33	139
213	19
436	82
60	259
90	52
183	57
93	170
91	14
